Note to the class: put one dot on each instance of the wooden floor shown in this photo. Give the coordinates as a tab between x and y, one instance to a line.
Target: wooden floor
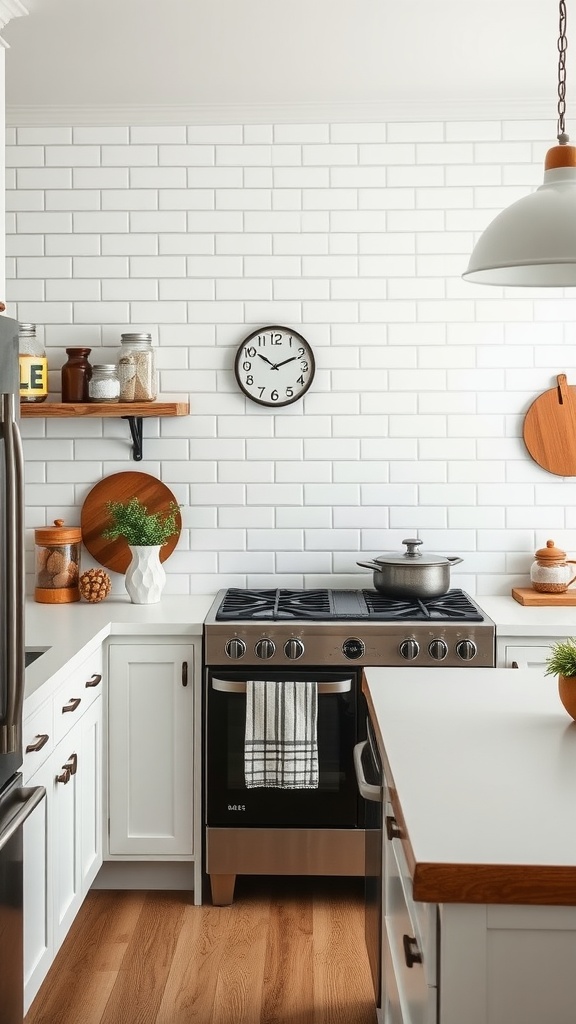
288	951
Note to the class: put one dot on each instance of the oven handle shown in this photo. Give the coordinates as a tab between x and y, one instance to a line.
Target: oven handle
338	686
366	789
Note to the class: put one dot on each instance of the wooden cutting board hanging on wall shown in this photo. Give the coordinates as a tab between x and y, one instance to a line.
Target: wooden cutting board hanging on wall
155	495
550	429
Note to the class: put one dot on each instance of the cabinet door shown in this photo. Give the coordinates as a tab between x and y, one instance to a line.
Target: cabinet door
90	796
526	656
65	761
150	767
77	819
38	943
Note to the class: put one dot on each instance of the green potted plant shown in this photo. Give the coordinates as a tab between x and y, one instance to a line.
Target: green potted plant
145	533
561	662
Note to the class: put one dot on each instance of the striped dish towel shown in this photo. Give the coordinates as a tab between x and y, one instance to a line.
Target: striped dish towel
281	743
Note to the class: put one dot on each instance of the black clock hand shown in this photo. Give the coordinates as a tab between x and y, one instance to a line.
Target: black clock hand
267	361
292	358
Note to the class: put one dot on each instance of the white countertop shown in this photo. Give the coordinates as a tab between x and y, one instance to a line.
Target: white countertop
515	619
72	631
484	767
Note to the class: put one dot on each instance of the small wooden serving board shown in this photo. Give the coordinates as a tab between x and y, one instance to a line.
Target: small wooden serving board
550	429
528	596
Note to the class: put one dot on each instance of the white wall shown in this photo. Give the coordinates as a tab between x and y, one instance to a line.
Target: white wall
355	234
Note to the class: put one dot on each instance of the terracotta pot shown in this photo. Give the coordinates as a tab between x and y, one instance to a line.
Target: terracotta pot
567	694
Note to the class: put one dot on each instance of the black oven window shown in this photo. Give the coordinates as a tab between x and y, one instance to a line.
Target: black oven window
228	800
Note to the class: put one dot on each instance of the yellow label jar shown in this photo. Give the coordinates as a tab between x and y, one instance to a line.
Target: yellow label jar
33	365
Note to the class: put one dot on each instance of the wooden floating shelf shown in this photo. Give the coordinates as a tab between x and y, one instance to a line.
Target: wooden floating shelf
134	412
164	405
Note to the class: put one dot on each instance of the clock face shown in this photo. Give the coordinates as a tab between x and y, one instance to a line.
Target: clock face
274	366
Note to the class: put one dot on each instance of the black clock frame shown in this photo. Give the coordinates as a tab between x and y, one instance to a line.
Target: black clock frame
239	356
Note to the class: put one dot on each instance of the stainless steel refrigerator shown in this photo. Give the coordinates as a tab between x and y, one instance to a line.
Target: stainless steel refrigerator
16	801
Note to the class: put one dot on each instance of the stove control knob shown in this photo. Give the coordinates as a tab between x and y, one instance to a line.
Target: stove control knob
353	648
265	648
437	649
466	649
293	649
409	649
236	648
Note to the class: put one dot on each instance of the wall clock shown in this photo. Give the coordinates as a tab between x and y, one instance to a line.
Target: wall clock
274	366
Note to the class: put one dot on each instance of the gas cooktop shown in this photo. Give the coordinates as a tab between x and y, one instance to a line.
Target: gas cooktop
342	605
278	628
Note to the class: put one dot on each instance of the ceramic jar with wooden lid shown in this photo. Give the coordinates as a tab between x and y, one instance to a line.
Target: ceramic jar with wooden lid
57	563
551	572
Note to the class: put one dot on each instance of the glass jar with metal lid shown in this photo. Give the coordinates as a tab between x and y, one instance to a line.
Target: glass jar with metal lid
33	365
104	385
57	563
137	368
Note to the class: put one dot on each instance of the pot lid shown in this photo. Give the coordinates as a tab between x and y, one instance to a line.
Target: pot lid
550	553
411	556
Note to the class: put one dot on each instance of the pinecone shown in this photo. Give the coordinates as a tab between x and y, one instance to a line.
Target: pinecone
95	585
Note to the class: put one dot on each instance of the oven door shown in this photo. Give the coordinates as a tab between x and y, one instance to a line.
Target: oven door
334	804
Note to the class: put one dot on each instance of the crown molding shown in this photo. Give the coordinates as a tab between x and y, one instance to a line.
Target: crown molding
281	113
9	9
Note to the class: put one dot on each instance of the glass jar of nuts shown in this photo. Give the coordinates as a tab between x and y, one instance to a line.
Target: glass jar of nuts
57	563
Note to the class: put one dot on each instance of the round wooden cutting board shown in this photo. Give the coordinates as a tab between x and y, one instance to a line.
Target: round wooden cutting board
115	554
550	429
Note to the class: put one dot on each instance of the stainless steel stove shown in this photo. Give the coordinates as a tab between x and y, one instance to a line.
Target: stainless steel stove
341	627
328	637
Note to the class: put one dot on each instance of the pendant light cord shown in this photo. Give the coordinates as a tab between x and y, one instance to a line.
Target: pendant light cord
563	138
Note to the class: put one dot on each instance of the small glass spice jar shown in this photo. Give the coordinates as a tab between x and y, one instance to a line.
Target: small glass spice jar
551	572
57	563
76	373
104	385
138	381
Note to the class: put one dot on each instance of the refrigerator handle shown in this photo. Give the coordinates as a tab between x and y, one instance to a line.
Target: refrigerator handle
14	582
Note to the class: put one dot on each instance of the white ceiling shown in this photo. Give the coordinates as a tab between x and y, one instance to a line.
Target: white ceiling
154	53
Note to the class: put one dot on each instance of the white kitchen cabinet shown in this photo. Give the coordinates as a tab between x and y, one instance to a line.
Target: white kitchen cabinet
77	816
521	653
491	938
153	759
38	899
63	836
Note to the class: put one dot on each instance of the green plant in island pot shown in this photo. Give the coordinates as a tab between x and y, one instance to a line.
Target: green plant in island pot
561	662
145	533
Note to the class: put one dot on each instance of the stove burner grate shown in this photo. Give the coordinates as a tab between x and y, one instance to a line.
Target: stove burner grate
340	605
454	605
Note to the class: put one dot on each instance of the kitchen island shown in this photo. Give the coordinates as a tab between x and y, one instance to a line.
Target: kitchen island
480	855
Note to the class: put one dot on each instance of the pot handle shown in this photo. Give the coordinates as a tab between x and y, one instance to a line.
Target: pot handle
370	565
453	559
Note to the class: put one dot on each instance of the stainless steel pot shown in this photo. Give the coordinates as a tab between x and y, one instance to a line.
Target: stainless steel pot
411	574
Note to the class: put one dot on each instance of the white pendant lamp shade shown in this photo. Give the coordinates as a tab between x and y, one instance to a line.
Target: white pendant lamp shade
533	242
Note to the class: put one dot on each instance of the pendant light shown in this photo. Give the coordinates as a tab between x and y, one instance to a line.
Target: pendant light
533	242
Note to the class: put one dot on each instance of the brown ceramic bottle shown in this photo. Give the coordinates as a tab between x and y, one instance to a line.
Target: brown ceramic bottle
76	373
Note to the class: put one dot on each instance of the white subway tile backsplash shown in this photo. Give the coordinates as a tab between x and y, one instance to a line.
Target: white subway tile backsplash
243	156
359	233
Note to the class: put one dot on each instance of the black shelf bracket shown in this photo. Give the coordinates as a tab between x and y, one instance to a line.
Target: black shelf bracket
135	424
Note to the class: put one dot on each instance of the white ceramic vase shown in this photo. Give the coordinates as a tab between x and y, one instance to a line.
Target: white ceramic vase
145	576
